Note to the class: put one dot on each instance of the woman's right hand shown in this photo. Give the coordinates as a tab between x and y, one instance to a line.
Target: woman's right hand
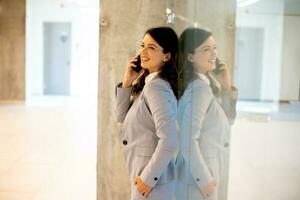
209	189
130	75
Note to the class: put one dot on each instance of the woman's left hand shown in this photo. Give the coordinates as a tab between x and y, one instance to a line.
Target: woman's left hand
142	187
224	76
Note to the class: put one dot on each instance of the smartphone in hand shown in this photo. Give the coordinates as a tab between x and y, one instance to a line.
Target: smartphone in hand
138	66
218	70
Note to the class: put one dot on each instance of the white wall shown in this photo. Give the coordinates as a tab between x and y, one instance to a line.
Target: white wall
261	15
290	74
84	16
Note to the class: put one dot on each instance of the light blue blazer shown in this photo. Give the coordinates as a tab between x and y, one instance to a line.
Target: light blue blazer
204	141
149	136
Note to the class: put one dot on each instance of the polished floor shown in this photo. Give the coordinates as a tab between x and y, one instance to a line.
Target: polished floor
47	152
265	161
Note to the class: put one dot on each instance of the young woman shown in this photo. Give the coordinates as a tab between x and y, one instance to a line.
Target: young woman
206	109
148	112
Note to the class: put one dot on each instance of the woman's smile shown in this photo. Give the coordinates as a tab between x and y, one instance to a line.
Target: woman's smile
212	61
145	59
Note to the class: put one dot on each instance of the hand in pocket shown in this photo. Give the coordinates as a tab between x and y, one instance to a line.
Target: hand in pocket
209	189
142	187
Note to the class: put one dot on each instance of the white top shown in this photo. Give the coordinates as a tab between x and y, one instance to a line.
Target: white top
150	77
204	78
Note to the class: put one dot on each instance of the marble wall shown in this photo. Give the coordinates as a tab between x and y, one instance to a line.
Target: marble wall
122	25
12	50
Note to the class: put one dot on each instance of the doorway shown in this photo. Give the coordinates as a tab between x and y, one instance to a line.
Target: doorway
57	48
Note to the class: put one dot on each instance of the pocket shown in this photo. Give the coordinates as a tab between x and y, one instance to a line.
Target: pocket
144	151
141	157
212	164
209	152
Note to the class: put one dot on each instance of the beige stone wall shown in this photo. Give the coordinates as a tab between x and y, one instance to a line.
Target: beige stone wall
122	26
12	50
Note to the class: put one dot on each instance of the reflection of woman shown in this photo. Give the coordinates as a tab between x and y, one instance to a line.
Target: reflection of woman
148	112
206	108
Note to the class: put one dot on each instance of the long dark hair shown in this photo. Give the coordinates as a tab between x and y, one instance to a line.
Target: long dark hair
189	40
168	40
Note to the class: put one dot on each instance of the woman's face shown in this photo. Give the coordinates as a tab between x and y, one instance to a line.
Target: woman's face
204	57
152	55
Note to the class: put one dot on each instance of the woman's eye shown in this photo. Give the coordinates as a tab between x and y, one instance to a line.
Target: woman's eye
151	48
206	50
142	45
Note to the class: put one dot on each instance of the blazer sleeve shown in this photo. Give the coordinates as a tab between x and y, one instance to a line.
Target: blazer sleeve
163	106
123	102
228	103
190	132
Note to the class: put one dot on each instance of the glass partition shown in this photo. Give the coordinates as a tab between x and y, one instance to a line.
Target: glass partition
237	125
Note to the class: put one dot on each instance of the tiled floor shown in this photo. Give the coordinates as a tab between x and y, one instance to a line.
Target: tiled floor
47	152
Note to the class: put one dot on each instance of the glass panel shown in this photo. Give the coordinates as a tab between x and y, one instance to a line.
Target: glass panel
267	76
223	140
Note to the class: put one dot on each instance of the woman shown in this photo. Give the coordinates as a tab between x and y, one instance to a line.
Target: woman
206	109
148	112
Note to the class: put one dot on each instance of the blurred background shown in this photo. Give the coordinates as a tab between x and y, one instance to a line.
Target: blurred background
49	64
61	59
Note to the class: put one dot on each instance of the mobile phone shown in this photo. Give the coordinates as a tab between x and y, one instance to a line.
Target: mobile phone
217	70
137	63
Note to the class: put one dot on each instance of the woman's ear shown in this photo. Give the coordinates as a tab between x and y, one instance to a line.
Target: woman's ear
190	57
167	57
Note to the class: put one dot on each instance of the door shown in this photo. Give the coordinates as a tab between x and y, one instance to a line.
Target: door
248	70
57	48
